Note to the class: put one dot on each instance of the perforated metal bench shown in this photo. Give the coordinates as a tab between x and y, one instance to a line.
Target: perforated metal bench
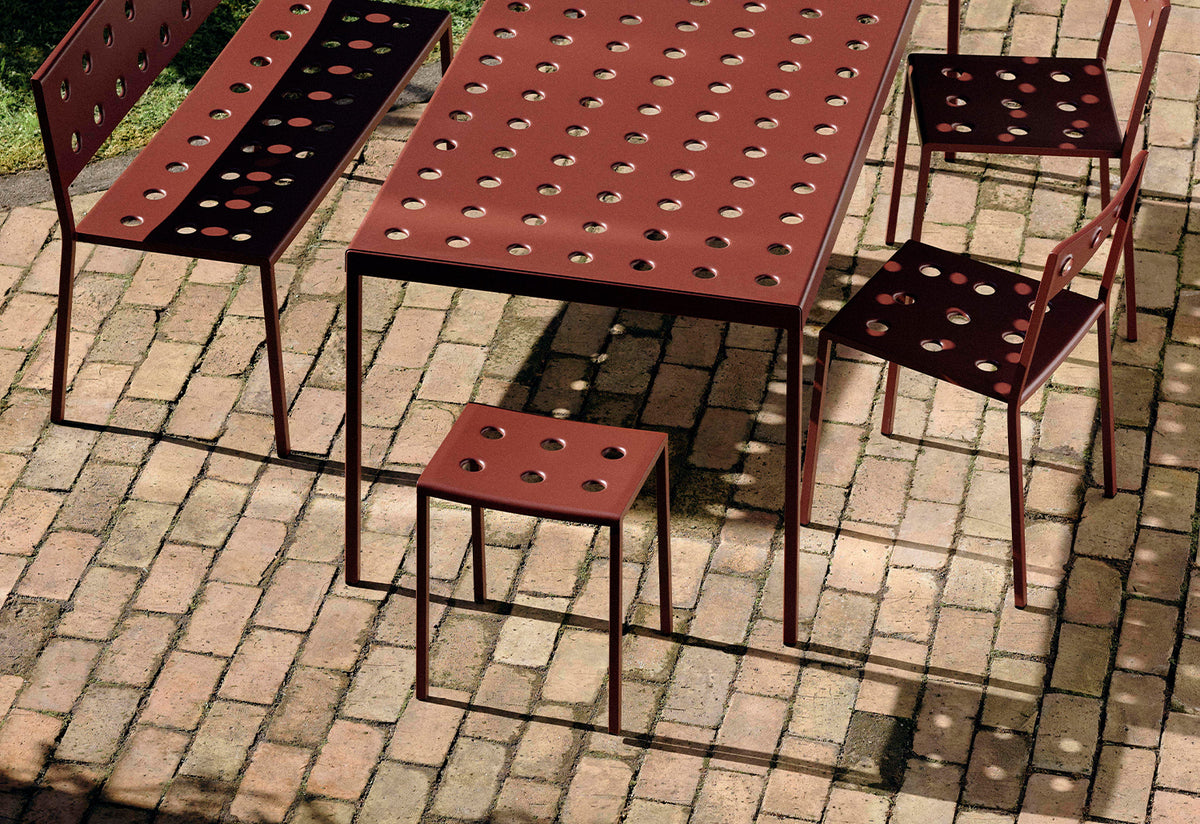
245	160
573	471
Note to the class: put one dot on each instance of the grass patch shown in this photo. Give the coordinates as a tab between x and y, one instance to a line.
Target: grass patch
33	28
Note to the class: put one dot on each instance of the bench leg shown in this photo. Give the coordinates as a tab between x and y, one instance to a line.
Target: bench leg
62	329
447	44
662	476
616	621
275	361
422	638
478	565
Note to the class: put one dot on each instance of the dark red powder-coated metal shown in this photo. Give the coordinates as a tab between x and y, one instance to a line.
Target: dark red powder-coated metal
681	156
243	162
500	459
1028	106
989	330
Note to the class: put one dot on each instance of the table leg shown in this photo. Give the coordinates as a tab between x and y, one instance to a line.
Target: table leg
791	471
353	425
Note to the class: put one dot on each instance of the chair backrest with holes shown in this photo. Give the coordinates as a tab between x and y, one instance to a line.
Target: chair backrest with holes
1070	257
1150	20
103	65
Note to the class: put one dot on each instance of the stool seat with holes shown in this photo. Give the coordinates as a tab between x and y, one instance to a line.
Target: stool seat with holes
498	459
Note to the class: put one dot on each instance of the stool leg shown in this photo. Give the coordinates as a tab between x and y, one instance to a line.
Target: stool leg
422	639
279	403
615	625
62	329
662	476
477	562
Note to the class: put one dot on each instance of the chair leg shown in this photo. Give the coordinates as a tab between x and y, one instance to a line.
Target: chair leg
1130	292
812	443
422	639
616	623
922	193
1107	435
478	563
447	50
663	482
275	361
1016	486
898	169
889	398
62	329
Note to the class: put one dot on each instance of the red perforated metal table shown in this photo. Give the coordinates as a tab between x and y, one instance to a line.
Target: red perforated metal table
680	156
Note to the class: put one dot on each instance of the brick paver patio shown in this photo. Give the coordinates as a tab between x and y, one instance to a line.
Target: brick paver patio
176	644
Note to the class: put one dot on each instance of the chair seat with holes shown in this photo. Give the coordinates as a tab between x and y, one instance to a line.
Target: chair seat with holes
498	459
1026	105
959	320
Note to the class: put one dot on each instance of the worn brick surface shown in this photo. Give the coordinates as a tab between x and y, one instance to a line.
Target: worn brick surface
177	642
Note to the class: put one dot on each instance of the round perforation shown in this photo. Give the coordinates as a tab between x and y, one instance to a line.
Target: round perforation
531	476
594	485
470	465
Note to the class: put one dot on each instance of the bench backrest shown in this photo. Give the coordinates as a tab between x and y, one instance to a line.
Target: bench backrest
103	65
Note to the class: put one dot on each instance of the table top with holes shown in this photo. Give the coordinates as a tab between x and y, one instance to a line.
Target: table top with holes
699	152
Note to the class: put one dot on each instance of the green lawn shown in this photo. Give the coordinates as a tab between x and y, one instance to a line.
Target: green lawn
33	27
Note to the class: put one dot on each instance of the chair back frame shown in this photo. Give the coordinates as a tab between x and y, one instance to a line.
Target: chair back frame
1069	257
1150	21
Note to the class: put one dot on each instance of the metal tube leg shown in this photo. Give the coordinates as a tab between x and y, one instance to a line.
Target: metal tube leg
791	484
1130	291
922	193
898	169
1016	486
422	639
275	360
1107	435
889	398
615	625
62	329
353	425
662	476
478	564
813	442
447	50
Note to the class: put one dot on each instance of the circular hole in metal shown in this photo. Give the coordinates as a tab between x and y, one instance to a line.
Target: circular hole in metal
230	175
548	189
129	9
661	80
1017	131
504	152
715	242
457	242
729	211
594	228
1014	337
470	465
635	138
987	366
845	72
778	94
766	280
754	151
532	95
720	88
263	209
791	218
622	168
119	86
608	197
64	90
743	32
473	212
579	257
219	114
131	220
154	194
97	114
731	60
612	453
836	100
604	74
594	485
86	62
742	182
490	60
704	273
1005	74
209	203
867	19
142	61
674	54
779	249
789	66
904	298
875	328
492	433
694	145
825	129
984	288
185	9
766	123
929	270
682	175
573	14
803	188
488	182
1064	106
547	68
630	19
814	158
185	230
670	205
519	249
958	317
563	160
176	166
933	345
856	45
577	131
707	117
1009	103
552	444
1060	77
956	101
280	34
518	123
590	102
429	174
654	234
301	9
533	220
475	88
1074	134
504	34
197	140
641	265
413	203
649	109
810	14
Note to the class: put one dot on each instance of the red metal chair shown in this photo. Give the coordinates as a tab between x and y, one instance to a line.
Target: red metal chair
984	329
549	468
1027	106
245	160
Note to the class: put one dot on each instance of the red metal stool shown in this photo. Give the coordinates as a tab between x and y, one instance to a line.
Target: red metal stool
548	468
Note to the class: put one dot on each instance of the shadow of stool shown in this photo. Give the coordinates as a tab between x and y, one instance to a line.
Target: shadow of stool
498	459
